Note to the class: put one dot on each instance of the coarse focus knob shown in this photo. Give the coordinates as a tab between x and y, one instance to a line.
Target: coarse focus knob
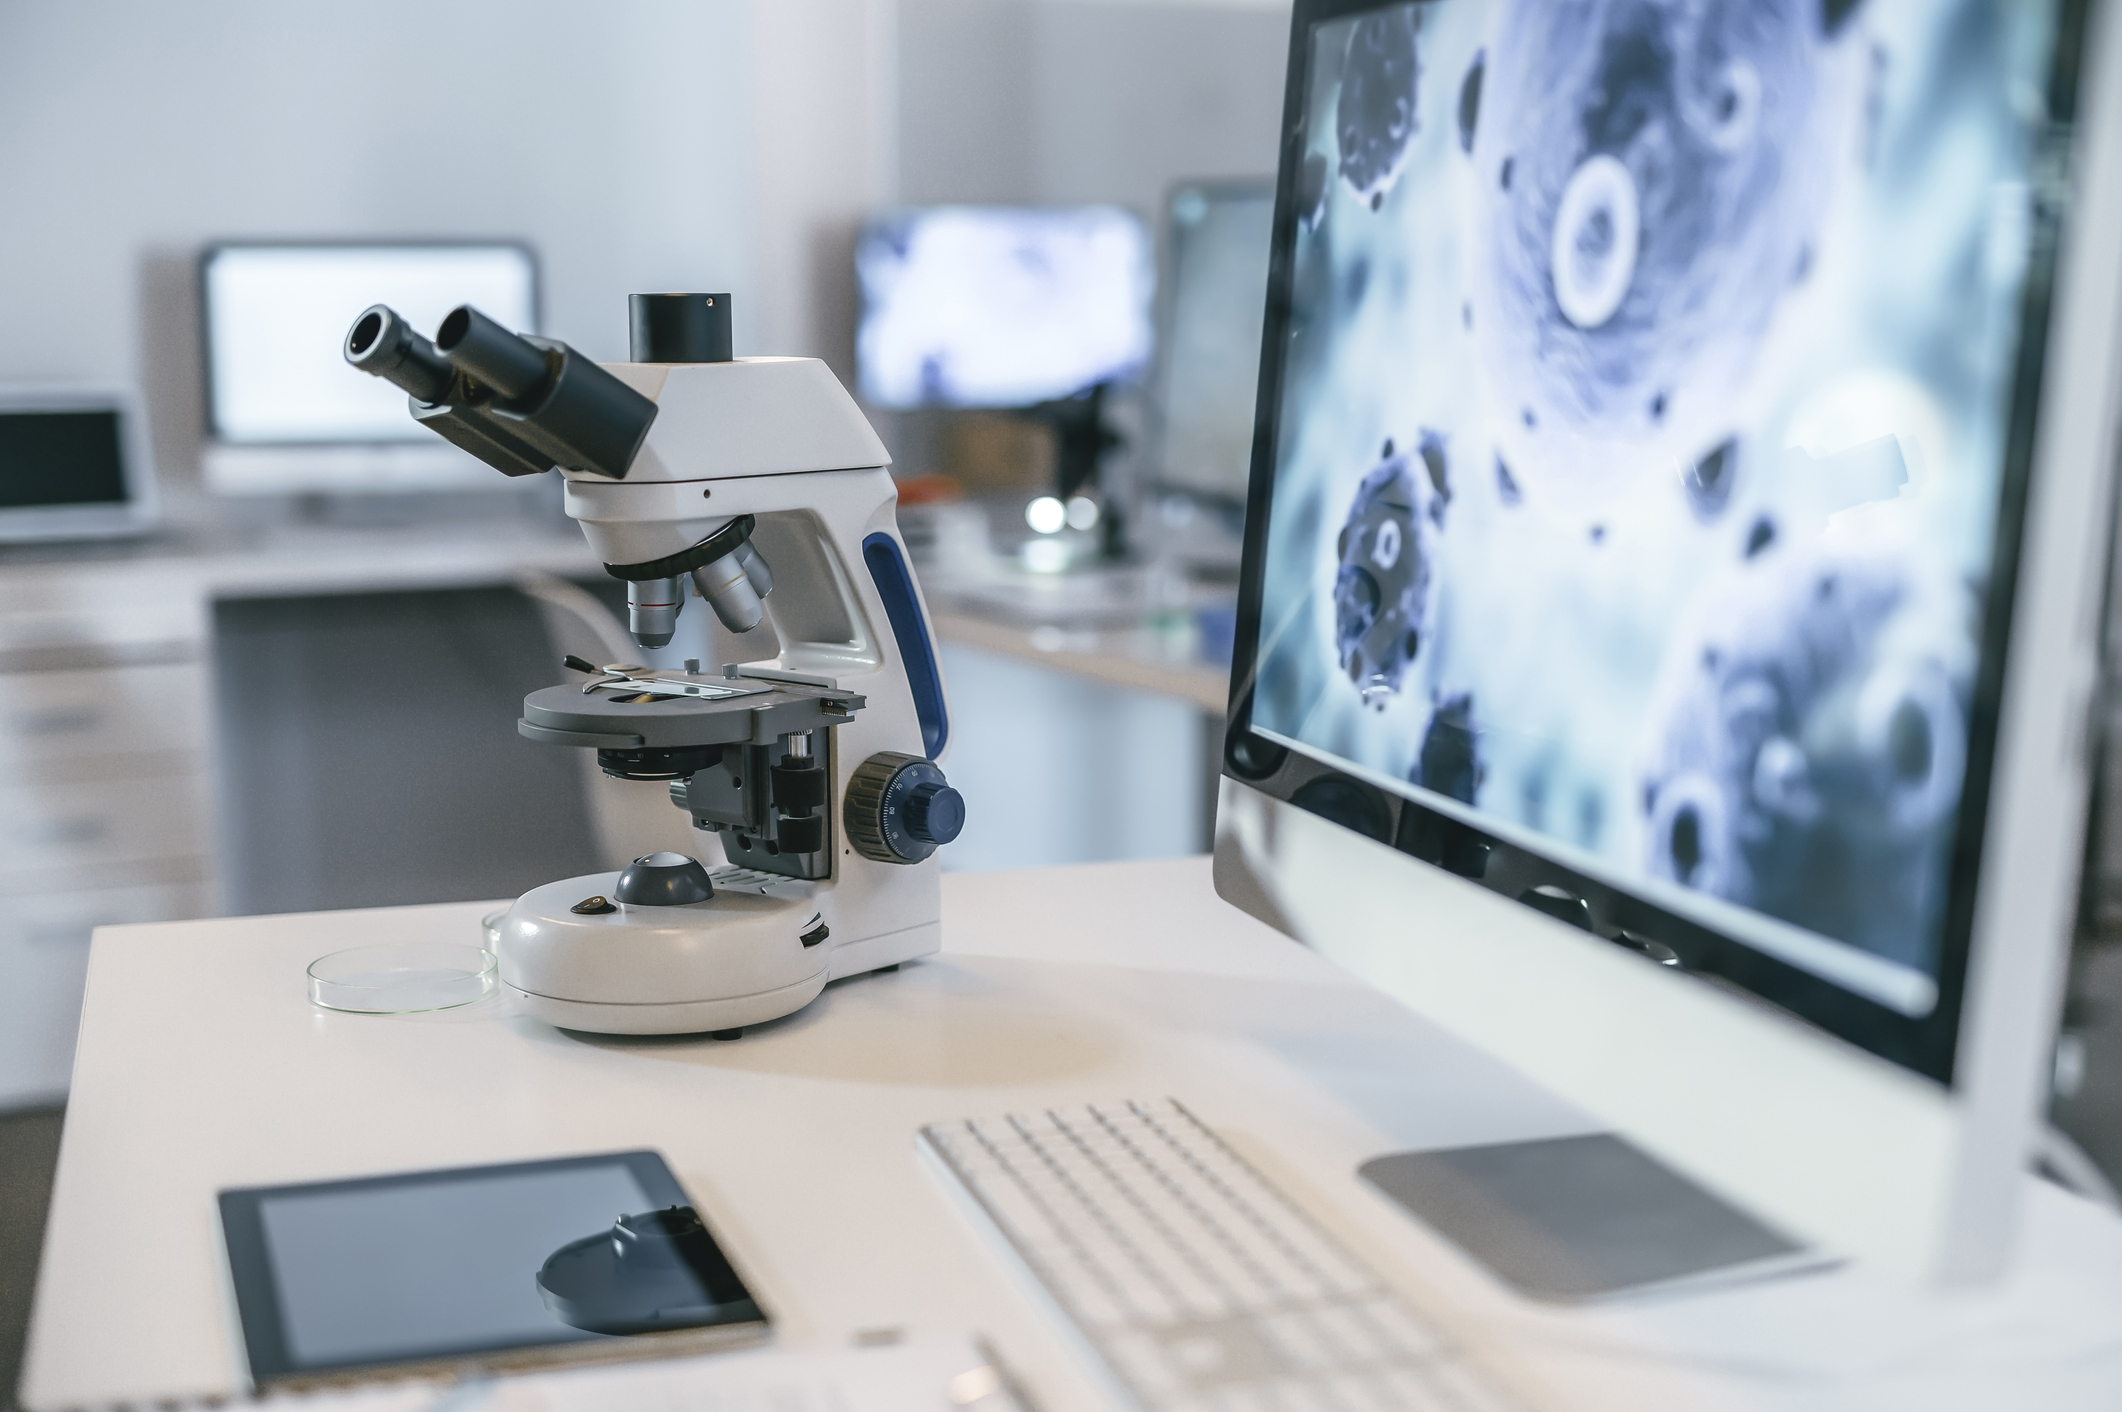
899	807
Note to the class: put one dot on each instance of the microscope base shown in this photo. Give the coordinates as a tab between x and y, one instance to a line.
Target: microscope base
874	953
738	958
684	1017
734	959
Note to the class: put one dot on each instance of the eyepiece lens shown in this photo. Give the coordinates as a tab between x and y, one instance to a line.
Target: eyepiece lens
454	326
365	332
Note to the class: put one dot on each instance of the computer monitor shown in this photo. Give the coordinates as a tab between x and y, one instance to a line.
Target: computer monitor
285	413
1214	298
74	464
1677	537
1000	306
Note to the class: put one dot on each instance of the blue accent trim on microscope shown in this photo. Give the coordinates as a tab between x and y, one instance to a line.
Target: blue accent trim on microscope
895	585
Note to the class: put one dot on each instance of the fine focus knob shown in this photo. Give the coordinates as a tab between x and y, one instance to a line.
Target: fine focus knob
663	880
934	813
899	807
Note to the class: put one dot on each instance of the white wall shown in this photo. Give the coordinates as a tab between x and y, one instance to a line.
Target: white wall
616	138
826	151
1067	100
646	144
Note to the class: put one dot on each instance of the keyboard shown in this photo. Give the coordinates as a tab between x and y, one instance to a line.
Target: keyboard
1196	1283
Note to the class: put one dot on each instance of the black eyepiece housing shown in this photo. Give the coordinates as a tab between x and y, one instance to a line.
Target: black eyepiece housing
522	405
382	343
487	353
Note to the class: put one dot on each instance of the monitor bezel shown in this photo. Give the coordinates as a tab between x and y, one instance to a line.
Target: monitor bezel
1927	1045
134	515
211	251
863	307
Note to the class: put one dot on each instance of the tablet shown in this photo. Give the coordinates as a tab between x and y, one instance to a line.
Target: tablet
529	1263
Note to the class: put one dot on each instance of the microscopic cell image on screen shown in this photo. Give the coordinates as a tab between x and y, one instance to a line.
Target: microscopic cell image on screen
997	306
1641	440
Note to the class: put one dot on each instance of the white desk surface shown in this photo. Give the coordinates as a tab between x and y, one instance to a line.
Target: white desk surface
202	1066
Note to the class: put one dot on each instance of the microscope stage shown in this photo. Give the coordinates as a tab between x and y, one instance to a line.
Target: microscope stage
761	713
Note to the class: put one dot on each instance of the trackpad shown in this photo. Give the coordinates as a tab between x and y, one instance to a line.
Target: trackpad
1581	1218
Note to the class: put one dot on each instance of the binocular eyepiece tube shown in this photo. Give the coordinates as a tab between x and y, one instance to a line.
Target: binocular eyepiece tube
490	354
522	405
383	344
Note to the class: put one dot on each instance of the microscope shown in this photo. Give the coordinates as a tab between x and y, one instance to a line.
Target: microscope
758	484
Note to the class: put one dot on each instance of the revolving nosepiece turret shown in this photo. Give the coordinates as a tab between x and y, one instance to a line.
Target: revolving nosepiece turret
726	569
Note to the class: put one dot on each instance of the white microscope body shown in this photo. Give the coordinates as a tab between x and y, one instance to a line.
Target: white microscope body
815	766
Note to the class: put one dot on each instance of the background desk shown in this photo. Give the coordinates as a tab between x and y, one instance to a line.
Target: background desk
202	1066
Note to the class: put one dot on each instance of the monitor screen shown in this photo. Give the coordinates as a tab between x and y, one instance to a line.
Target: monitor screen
1215	297
276	315
971	306
1647	447
61	456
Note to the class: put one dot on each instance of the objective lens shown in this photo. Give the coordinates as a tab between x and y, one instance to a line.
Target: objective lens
755	569
652	607
729	590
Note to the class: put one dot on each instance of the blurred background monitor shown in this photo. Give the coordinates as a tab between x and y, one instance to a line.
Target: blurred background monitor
996	306
73	465
285	413
1215	298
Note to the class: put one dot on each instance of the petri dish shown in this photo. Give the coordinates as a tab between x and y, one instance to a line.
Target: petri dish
402	977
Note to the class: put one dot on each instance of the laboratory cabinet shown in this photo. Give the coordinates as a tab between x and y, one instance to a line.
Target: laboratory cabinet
106	808
109	772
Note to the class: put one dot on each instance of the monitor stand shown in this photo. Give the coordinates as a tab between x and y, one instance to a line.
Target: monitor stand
1573	1219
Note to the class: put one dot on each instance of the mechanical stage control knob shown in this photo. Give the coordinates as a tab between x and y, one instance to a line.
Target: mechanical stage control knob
899	808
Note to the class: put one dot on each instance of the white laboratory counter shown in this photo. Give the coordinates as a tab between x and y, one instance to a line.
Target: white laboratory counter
202	1066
